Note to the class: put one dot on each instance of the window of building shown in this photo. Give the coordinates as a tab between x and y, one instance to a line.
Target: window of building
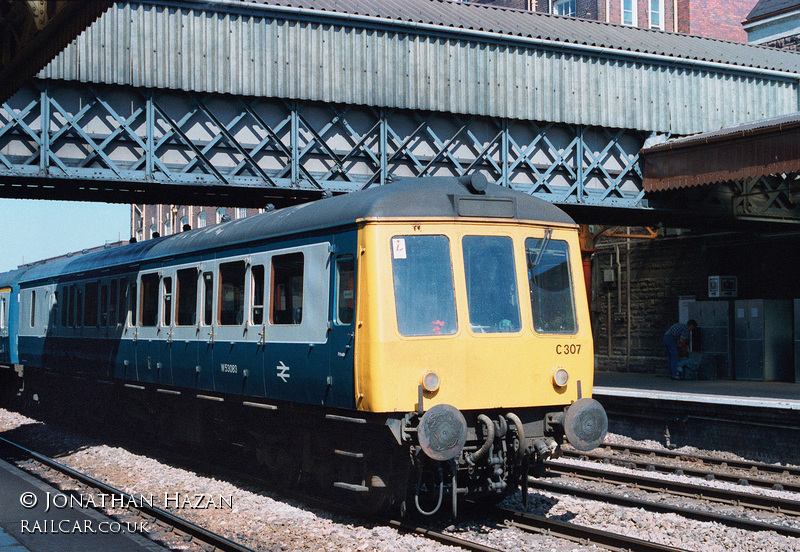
220	214
257	285
153	231
628	12
287	289
149	292
345	278
657	14
552	297
167	228
241	212
166	316
187	297
201	219
231	290
424	295
184	223
566	7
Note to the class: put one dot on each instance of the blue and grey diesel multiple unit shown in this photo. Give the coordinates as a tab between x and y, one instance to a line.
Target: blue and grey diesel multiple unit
421	339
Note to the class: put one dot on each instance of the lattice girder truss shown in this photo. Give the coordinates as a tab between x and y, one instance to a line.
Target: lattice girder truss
119	139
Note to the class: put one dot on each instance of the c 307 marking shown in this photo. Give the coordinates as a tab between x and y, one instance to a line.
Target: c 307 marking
571	349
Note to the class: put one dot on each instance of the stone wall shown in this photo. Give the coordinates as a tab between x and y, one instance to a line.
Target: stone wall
663	270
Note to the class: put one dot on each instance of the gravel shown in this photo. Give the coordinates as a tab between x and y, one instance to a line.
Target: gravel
265	521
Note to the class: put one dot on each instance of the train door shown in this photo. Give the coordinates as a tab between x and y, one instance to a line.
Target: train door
256	286
185	328
341	342
148	327
5	349
230	356
163	344
296	357
207	329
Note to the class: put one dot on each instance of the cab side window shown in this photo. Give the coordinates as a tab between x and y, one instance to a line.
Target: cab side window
345	278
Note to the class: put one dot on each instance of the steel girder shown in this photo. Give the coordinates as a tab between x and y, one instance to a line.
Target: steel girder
70	140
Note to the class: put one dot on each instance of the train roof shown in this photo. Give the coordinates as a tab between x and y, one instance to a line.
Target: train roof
412	198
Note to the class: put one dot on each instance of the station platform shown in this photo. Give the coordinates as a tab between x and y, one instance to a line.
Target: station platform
72	528
755	419
762	394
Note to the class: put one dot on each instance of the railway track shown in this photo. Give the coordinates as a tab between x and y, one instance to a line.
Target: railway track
165	522
679	488
660	507
580	534
753	474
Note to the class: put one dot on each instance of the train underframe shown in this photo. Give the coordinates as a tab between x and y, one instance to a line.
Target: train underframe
425	462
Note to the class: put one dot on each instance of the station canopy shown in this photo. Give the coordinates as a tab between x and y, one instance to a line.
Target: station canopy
749	169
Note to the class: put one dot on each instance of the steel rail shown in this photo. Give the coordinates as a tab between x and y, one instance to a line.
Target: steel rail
195	531
662	508
738	464
581	534
690	490
708	474
440	537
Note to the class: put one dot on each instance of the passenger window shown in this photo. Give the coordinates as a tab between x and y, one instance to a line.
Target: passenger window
65	306
104	305
208	298
90	314
33	308
231	289
149	304
287	289
424	295
79	307
257	287
2	313
552	297
345	277
72	302
112	304
187	297
131	302
167	306
54	310
492	293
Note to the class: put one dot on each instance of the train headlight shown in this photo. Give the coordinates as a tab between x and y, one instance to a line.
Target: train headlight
560	377
430	382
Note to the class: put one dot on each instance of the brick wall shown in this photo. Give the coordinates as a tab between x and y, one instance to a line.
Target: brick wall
719	18
662	270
